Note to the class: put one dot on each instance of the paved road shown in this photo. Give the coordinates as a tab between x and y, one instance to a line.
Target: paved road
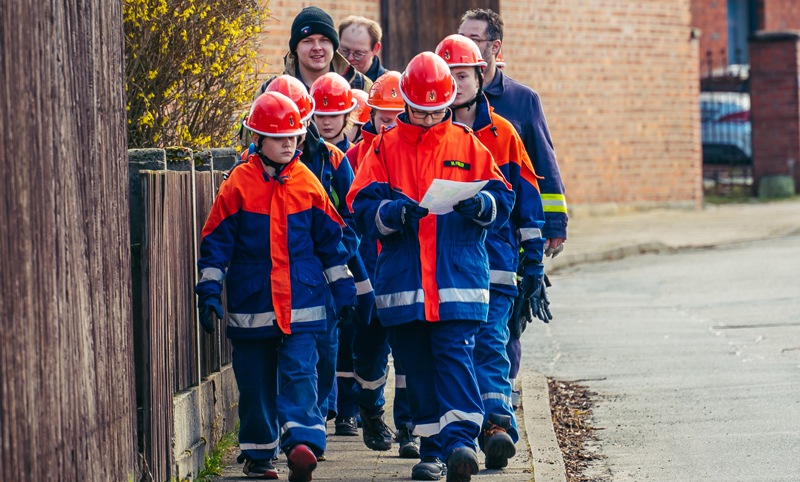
695	357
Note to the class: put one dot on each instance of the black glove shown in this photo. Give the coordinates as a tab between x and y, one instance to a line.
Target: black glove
208	305
412	213
539	302
474	207
346	315
518	320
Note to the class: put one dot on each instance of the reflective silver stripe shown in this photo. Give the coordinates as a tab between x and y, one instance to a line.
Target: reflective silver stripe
290	425
426	429
211	274
496	396
269	446
251	320
367	385
524	234
400	381
459	416
384	229
335	273
259	320
494	212
403	298
463	295
304	315
553	202
499	277
363	287
431	429
513	382
345	374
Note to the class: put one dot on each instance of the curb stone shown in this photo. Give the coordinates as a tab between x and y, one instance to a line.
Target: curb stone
548	462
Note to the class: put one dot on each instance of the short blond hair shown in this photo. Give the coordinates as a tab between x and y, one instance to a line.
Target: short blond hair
375	31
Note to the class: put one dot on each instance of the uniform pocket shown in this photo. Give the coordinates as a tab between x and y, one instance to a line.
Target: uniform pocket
239	291
308	275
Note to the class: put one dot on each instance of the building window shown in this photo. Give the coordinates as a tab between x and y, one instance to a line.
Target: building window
742	21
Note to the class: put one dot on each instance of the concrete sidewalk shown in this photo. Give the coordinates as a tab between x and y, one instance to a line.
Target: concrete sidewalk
592	239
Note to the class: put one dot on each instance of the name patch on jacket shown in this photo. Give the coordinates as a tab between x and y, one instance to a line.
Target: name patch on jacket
459	164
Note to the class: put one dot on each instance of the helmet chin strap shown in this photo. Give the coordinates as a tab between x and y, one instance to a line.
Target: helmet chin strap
468	105
266	160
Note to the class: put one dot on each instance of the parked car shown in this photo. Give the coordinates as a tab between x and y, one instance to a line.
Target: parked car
725	128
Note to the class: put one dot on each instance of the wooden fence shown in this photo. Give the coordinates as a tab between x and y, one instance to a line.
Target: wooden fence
175	353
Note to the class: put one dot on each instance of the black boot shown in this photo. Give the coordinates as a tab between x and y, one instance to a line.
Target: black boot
429	468
497	444
377	435
462	464
346	426
409	444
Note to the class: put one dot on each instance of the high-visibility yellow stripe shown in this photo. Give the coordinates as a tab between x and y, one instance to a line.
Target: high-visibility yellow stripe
554	203
336	198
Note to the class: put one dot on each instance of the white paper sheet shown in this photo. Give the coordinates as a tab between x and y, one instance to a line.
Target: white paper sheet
443	195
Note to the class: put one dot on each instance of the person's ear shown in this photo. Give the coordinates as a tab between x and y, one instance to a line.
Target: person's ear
376	48
496	46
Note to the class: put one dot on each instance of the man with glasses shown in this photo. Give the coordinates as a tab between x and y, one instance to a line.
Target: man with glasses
313	52
521	106
432	274
360	40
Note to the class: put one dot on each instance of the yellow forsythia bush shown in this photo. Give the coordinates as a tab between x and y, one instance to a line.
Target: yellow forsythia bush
190	68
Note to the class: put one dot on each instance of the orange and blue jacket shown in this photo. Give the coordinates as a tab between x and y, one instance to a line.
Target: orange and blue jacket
524	227
275	242
438	270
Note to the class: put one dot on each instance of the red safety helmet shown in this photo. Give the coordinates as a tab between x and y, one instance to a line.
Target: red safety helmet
296	91
460	51
332	95
500	62
360	116
274	115
385	93
427	84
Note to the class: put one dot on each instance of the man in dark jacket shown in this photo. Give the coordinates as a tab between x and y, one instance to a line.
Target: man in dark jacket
360	40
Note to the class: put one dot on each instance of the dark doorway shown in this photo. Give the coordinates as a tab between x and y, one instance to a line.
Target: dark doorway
413	26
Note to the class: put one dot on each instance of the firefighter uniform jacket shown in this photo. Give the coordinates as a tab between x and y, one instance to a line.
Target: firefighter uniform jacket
280	240
521	106
524	228
438	270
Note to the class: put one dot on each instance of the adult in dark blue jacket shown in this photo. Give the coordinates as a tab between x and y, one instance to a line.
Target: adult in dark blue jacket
521	106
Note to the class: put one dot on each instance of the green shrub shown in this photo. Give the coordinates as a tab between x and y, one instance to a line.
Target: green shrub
190	69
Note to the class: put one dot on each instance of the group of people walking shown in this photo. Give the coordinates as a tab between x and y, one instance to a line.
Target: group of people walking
331	261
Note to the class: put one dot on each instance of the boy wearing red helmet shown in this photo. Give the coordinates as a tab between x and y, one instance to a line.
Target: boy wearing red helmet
432	278
274	237
333	103
522	230
371	345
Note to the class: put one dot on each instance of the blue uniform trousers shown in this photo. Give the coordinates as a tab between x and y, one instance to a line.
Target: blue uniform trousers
446	407
346	404
277	382
514	352
327	349
370	357
491	361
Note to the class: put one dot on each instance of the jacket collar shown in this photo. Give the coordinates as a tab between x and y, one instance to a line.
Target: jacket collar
416	134
497	85
375	70
312	143
369	133
484	117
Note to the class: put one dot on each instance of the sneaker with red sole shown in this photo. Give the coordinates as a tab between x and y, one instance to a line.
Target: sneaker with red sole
260	469
302	462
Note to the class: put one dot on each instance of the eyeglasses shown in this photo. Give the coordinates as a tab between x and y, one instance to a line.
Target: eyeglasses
356	55
422	115
479	40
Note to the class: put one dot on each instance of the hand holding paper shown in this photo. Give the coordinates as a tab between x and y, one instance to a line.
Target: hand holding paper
443	195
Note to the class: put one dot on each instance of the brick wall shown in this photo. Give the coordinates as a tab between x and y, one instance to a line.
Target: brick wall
710	16
275	41
618	81
775	105
781	14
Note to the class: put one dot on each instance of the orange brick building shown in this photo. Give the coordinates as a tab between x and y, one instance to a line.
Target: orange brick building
618	81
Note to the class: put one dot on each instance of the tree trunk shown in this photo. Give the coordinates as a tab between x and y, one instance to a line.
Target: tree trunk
67	403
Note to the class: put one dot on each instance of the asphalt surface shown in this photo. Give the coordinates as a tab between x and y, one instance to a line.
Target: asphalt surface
695	357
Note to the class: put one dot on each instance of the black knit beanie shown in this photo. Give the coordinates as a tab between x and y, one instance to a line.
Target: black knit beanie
310	21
